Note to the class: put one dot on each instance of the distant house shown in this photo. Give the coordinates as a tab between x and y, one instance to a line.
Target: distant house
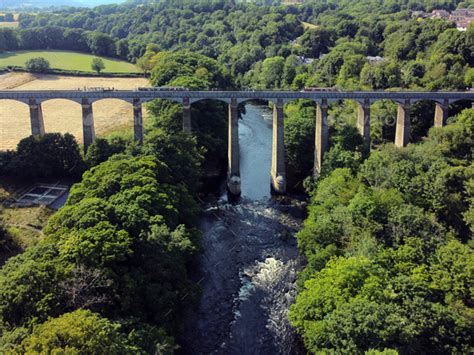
461	13
462	18
420	14
442	14
305	60
375	60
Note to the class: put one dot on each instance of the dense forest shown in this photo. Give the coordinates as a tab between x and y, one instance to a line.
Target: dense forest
110	275
388	239
268	46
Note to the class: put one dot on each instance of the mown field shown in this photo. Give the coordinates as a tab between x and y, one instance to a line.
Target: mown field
66	60
9	24
62	115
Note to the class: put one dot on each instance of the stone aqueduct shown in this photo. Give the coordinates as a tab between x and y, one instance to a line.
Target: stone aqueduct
233	98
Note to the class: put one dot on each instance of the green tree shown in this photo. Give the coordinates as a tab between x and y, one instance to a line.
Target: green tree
9	17
37	65
316	42
50	155
272	72
97	65
78	332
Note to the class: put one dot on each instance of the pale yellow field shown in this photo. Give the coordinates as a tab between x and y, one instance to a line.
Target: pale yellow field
9	24
62	115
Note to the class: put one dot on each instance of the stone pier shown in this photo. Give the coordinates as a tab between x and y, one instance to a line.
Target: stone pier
137	121
322	135
278	174
88	130
233	170
36	118
363	120
402	133
186	115
441	114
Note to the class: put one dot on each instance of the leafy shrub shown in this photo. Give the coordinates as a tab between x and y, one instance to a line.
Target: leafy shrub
37	65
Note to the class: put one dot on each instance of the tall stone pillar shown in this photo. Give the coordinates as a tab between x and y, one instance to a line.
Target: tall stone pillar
363	120
322	135
137	121
88	130
402	133
36	118
441	114
233	171
186	115
278	173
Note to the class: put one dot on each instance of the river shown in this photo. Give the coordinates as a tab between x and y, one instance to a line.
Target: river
248	266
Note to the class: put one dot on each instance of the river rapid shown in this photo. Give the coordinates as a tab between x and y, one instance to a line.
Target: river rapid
247	270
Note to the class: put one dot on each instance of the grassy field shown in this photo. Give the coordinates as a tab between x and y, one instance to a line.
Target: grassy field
66	60
10	24
24	225
61	115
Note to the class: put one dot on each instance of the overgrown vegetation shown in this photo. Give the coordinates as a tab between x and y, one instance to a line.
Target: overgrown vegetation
115	256
388	247
388	239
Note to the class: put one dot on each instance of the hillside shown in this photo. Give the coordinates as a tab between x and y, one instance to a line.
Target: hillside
66	60
15	4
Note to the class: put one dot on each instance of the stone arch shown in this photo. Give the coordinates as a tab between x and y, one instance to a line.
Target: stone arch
149	99
112	113
193	100
63	116
424	114
14	121
456	106
202	116
384	112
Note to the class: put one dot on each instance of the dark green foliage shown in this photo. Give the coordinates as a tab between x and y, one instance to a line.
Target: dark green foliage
8	17
37	65
29	286
181	154
299	135
394	300
347	150
83	331
209	118
102	149
120	246
50	155
316	42
97	65
141	190
388	264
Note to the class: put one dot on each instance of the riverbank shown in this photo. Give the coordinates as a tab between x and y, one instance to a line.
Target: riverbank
249	261
247	274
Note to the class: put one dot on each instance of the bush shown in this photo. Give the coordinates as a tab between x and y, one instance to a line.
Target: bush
37	65
50	155
97	65
102	149
79	332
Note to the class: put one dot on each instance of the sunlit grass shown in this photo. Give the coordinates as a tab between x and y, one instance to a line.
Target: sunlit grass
66	60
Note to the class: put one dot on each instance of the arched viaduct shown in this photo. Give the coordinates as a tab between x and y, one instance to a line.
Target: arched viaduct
364	100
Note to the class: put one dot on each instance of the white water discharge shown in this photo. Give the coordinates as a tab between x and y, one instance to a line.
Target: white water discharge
249	262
